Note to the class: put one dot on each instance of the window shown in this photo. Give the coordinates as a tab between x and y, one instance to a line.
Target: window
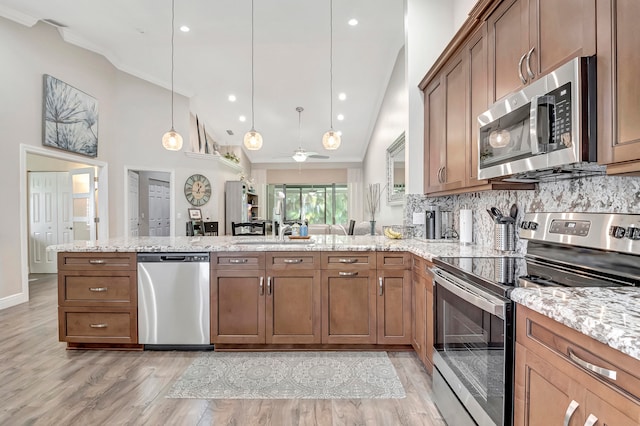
318	204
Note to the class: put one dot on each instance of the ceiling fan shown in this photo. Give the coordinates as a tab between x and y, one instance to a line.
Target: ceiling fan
300	155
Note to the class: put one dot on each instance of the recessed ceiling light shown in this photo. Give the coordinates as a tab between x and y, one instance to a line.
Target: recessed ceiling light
242	118
185	29
340	117
232	98
353	22
342	96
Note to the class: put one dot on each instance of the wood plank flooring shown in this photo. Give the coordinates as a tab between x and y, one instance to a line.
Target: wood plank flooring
41	383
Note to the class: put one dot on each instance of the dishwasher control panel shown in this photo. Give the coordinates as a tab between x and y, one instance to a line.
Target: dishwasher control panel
173	257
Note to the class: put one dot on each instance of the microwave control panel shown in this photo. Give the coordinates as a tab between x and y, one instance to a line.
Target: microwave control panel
561	122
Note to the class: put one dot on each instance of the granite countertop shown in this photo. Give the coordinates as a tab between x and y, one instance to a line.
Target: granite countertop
425	248
608	315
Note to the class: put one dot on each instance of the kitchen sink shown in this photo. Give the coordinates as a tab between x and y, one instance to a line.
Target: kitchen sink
272	242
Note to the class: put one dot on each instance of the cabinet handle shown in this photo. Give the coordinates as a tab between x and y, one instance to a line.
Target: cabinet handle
347	274
444	174
98	289
98	325
381	285
609	374
573	406
347	260
237	260
261	286
591	420
522	79
529	71
96	261
292	260
269	286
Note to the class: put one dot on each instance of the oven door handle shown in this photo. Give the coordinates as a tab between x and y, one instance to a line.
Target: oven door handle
487	303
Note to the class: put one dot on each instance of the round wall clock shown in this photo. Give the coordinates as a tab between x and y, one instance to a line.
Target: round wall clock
197	189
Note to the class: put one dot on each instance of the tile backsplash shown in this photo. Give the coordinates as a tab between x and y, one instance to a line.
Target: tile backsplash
606	194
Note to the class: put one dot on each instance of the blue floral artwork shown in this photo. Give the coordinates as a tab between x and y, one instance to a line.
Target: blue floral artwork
70	118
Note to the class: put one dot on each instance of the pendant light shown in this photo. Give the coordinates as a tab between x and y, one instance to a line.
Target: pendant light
331	139
253	139
172	139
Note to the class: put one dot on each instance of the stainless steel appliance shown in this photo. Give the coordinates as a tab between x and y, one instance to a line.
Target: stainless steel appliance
434	226
546	130
473	327
173	300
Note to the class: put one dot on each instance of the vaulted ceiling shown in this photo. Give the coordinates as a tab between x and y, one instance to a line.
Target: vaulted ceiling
213	61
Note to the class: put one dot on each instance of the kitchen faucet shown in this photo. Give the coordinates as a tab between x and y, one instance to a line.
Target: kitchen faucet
283	228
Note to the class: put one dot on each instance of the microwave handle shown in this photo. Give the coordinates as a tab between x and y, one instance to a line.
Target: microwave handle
539	124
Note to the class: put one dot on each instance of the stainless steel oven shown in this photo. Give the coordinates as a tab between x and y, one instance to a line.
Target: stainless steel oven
473	352
474	318
546	128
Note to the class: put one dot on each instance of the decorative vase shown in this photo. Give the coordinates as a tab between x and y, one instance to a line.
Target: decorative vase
373	227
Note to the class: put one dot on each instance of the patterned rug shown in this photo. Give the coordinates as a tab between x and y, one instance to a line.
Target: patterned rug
289	375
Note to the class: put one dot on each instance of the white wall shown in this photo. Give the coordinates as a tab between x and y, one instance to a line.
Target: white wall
391	122
133	115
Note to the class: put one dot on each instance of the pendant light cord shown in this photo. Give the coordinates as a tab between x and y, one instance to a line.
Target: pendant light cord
173	18
252	81
331	61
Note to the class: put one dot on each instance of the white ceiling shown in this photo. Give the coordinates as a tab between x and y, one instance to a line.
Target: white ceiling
213	60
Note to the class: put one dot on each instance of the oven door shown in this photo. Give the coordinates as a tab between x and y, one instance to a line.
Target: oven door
473	348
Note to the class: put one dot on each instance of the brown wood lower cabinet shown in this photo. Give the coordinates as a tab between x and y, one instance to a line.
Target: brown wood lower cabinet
97	299
274	304
349	307
422	311
552	388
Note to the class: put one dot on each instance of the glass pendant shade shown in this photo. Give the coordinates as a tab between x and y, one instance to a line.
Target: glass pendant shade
331	140
253	140
172	140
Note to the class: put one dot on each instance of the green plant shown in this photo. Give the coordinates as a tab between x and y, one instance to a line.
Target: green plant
231	156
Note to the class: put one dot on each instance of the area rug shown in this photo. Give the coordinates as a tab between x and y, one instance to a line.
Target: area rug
289	375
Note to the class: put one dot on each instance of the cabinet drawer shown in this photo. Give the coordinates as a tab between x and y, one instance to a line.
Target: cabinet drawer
348	259
544	334
96	289
238	260
97	261
278	261
84	326
394	260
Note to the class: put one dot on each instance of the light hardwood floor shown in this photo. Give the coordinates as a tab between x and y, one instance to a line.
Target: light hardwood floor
41	383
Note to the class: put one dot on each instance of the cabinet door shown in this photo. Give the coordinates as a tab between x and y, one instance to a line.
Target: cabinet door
434	135
545	395
293	307
508	36
418	315
394	307
618	90
476	56
430	329
609	414
455	76
349	307
237	307
560	31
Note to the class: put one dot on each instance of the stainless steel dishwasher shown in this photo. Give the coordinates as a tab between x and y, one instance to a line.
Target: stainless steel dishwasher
173	300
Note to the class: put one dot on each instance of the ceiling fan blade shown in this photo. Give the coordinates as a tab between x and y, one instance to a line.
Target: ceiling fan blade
318	156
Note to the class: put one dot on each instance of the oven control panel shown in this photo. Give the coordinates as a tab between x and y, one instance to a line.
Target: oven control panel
602	231
570	227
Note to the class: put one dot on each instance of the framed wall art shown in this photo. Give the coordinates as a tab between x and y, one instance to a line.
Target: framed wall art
70	118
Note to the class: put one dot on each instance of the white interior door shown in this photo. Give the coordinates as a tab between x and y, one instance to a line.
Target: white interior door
43	221
159	206
65	218
134	203
84	204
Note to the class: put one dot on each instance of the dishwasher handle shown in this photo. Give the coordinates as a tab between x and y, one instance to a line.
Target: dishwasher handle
173	257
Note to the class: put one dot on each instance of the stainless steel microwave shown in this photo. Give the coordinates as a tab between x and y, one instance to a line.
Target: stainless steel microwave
546	129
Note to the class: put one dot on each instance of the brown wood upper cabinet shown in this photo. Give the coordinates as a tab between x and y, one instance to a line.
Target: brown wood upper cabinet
530	38
618	88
